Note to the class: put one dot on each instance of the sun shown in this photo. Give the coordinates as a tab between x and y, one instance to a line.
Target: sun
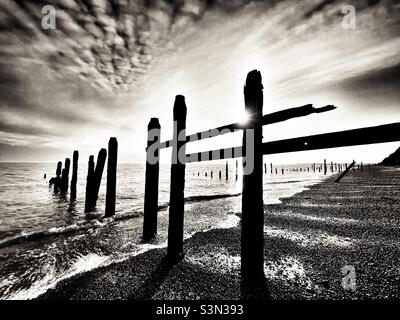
242	116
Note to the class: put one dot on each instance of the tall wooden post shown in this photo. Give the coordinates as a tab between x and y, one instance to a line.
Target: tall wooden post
252	229
265	168
236	171
111	176
65	175
89	185
98	174
152	179
226	171
325	168
176	203
74	178
58	176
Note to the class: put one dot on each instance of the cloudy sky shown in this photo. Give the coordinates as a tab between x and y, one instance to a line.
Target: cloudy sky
111	65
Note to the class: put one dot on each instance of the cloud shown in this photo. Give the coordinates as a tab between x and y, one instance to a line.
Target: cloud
112	64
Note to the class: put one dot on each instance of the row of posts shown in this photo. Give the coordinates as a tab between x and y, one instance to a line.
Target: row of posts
334	167
94	177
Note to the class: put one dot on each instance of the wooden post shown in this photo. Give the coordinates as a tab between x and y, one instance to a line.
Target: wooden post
325	168
74	175
276	170
111	176
314	167
361	166
252	229
152	180
65	175
265	168
57	181
236	170
331	166
345	172
226	171
211	174
98	174
283	171
220	174
271	168
177	189
89	185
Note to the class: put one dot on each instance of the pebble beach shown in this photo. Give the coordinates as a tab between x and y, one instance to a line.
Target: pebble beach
311	238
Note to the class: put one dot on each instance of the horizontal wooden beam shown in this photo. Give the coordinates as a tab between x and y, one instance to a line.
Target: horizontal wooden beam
363	136
271	118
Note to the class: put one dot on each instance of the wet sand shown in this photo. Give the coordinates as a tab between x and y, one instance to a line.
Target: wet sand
309	238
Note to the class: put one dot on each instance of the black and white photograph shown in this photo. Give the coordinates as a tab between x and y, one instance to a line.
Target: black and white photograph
200	154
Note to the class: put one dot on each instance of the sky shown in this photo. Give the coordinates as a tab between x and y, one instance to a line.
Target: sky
109	66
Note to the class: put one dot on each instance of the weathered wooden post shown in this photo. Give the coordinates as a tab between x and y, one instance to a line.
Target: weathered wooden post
98	174
65	175
236	170
325	168
226	171
111	176
152	179
252	228
89	185
345	172
57	181
177	189
74	178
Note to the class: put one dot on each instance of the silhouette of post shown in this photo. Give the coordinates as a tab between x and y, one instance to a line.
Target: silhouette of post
98	174
57	181
176	203
111	176
314	167
325	168
226	171
220	174
74	178
265	168
152	180
211	174
89	185
283	171
345	172
65	175
361	166
252	229
271	168
236	171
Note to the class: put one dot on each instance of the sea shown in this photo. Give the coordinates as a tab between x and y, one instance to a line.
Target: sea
45	238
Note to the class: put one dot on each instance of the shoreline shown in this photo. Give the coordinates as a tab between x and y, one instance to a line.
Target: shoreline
309	238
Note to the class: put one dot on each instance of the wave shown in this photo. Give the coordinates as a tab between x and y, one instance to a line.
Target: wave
96	222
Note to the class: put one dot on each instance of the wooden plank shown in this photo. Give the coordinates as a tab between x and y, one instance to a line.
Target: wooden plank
267	119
